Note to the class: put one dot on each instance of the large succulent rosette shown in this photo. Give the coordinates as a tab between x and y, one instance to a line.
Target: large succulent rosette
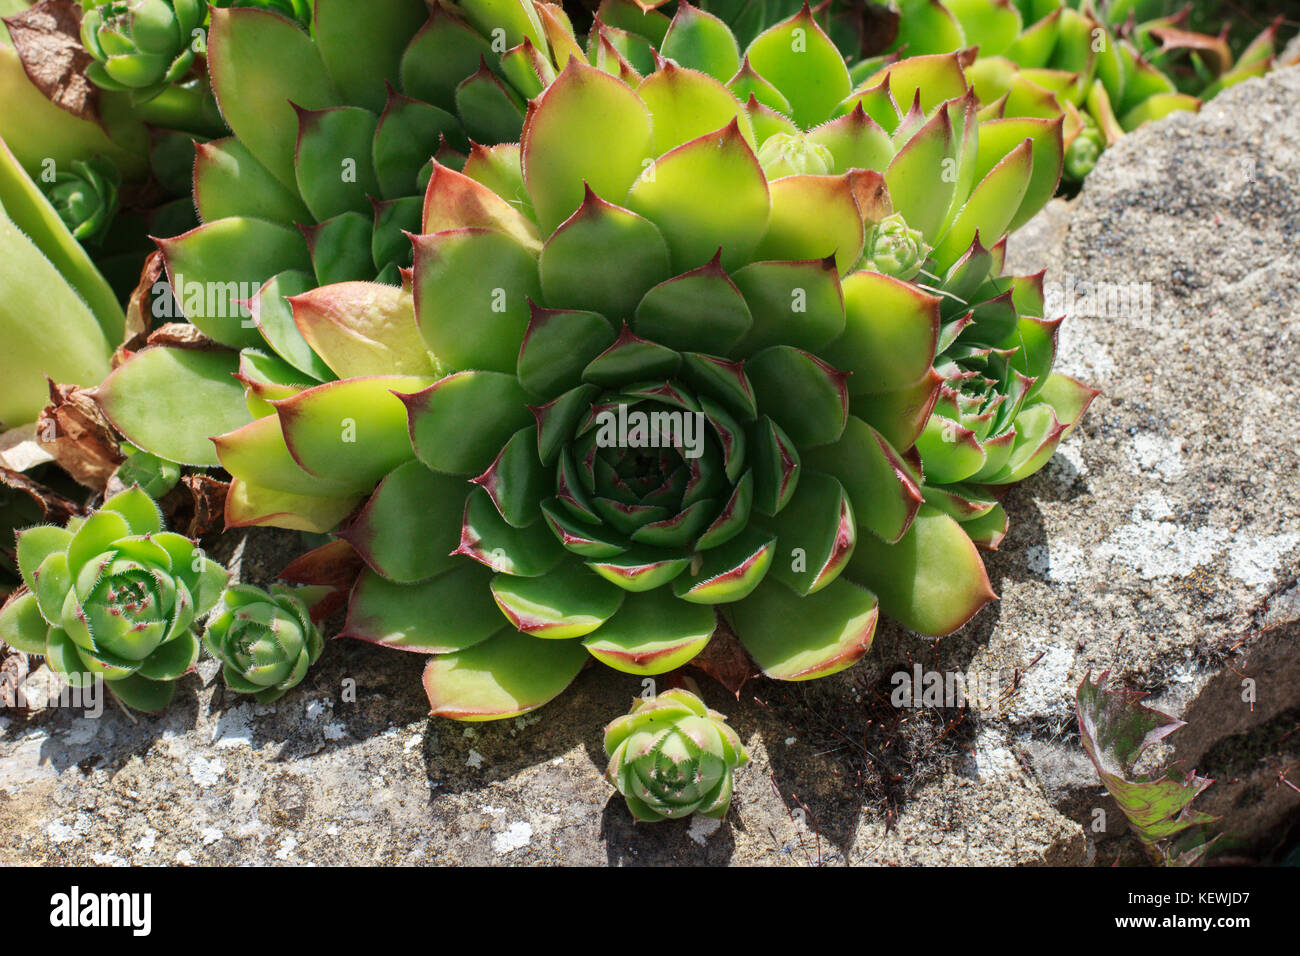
639	379
334	129
671	756
113	596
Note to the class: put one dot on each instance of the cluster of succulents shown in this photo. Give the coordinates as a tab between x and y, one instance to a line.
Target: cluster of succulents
586	344
1108	67
808	270
116	597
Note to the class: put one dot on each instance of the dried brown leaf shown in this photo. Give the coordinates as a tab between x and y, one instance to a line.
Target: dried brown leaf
47	38
78	436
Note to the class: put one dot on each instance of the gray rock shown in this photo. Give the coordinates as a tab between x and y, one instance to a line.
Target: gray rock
1162	542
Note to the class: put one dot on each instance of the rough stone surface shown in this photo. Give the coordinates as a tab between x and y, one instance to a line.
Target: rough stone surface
1162	542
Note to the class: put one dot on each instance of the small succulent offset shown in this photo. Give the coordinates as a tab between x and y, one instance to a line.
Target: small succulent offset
113	596
265	642
141	46
85	197
671	756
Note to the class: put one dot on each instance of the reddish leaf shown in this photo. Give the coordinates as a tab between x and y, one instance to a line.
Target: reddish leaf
725	660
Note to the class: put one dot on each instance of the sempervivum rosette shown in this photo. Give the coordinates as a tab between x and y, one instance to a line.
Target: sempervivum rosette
334	129
671	756
1001	411
646	371
113	596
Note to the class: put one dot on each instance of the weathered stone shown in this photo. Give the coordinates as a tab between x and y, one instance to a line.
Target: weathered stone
1162	542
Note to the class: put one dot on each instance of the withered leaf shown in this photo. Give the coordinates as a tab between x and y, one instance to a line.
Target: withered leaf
75	432
725	660
47	39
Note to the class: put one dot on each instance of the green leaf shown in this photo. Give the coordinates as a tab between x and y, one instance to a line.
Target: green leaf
890	334
230	182
460	423
472	288
706	194
800	638
805	396
698	311
652	634
685	104
261	64
633	258
932	581
215	268
699	40
568	602
409	528
881	488
813	217
199	391
363	328
799	59
586	128
507	675
362	44
450	612
21	625
354	431
333	162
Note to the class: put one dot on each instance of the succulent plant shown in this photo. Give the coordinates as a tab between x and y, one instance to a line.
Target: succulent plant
113	596
631	262
1105	73
1001	411
265	642
80	319
671	756
141	45
85	197
334	130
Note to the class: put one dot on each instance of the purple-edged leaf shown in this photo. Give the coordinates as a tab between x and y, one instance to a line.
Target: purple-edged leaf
472	289
409	528
932	581
1115	729
568	602
353	431
460	423
508	674
447	613
804	395
697	311
792	637
652	634
890	333
884	495
586	129
707	194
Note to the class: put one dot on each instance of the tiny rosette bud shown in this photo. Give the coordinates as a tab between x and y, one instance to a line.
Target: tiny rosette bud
894	249
85	197
793	154
265	641
1084	151
141	46
671	756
